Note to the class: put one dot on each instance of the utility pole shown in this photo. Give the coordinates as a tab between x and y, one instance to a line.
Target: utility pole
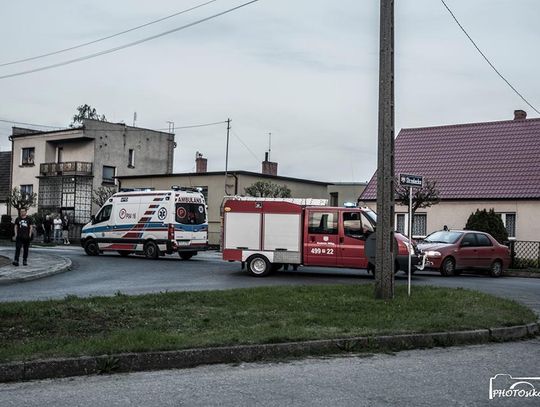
384	264
227	154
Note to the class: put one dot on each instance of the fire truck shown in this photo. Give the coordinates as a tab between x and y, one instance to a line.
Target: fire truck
266	234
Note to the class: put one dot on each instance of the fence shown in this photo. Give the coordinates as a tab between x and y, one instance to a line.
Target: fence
525	254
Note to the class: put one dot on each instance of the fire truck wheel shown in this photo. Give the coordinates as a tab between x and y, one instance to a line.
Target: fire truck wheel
186	255
91	247
258	266
151	251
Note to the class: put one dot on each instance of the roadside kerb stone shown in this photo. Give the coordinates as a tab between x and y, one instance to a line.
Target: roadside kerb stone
40	265
133	362
522	273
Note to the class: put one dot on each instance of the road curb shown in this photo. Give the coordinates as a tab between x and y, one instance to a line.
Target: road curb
136	362
526	274
64	264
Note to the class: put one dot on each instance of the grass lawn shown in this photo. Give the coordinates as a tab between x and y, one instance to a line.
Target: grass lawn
106	325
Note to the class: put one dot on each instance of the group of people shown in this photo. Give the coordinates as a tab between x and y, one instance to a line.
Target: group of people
54	230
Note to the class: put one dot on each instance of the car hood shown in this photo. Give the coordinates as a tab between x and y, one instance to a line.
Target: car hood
433	246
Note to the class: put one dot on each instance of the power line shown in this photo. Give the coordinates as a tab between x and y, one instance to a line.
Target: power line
107	37
487	59
131	44
31	124
245	145
196	125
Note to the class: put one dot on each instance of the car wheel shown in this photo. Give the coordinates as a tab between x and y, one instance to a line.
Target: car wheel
124	253
258	266
91	247
186	255
496	269
448	267
151	250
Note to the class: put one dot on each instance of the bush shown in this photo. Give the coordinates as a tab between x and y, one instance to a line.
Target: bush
489	222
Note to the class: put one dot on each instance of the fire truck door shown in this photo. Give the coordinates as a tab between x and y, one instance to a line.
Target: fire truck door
321	242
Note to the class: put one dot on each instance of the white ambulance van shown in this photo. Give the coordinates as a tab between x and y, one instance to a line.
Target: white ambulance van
152	223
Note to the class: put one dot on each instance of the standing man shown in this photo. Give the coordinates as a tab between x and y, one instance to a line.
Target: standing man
57	229
24	229
47	228
65	229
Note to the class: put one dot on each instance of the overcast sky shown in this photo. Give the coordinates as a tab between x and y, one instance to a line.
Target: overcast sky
304	70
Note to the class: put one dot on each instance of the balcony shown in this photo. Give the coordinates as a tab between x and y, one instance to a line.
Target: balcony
65	168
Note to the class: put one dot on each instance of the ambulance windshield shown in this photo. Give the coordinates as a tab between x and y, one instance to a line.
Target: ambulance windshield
190	213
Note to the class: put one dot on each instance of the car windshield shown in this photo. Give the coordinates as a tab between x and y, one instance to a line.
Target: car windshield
443	237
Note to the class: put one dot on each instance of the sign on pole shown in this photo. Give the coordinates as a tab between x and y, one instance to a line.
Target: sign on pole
411	181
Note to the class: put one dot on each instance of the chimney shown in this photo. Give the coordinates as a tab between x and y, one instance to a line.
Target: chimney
268	167
201	163
520	114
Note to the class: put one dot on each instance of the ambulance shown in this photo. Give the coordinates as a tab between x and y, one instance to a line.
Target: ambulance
151	223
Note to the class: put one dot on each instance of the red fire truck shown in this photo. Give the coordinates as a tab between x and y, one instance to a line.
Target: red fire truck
266	234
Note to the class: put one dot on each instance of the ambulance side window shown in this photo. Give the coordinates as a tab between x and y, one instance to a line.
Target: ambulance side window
104	214
323	223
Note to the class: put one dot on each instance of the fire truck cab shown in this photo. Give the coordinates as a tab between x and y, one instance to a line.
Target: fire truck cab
266	234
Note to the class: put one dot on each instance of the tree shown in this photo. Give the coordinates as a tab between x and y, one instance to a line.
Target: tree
267	189
489	222
20	200
86	112
102	194
423	197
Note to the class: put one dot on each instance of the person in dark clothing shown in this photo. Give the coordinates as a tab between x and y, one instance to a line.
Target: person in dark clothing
23	234
47	228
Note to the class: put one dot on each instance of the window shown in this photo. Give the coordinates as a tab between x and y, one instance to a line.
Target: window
27	190
104	214
483	240
352	225
108	174
334	199
400	223
419	224
60	155
27	156
469	240
509	221
323	223
190	214
131	158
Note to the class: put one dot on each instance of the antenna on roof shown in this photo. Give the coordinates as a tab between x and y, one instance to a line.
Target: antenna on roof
269	145
134	118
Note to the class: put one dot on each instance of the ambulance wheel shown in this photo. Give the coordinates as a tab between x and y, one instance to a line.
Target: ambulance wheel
91	247
186	255
258	266
151	251
124	253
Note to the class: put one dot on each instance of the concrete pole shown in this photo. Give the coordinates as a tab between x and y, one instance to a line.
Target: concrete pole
384	265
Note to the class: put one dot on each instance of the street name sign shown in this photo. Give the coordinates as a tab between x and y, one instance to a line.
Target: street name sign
408	180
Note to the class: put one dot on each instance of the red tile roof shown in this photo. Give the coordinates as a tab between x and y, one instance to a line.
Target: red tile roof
494	160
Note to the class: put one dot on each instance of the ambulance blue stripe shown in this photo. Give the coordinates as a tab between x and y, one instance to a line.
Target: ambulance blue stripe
149	225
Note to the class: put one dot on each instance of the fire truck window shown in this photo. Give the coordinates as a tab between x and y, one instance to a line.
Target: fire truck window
323	223
190	213
352	225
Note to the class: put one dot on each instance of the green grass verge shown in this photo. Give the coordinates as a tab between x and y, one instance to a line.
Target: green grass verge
106	325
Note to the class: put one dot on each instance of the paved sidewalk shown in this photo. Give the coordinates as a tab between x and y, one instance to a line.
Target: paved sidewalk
39	265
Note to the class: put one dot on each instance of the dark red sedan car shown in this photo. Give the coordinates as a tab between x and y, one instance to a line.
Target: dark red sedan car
453	251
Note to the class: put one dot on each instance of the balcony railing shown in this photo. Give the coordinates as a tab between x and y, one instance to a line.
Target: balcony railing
66	168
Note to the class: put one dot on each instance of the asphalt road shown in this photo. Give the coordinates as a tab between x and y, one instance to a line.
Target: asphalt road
457	376
109	274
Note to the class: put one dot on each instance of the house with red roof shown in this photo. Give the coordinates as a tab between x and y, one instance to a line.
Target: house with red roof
475	166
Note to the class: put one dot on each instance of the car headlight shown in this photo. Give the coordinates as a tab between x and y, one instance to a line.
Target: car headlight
431	253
